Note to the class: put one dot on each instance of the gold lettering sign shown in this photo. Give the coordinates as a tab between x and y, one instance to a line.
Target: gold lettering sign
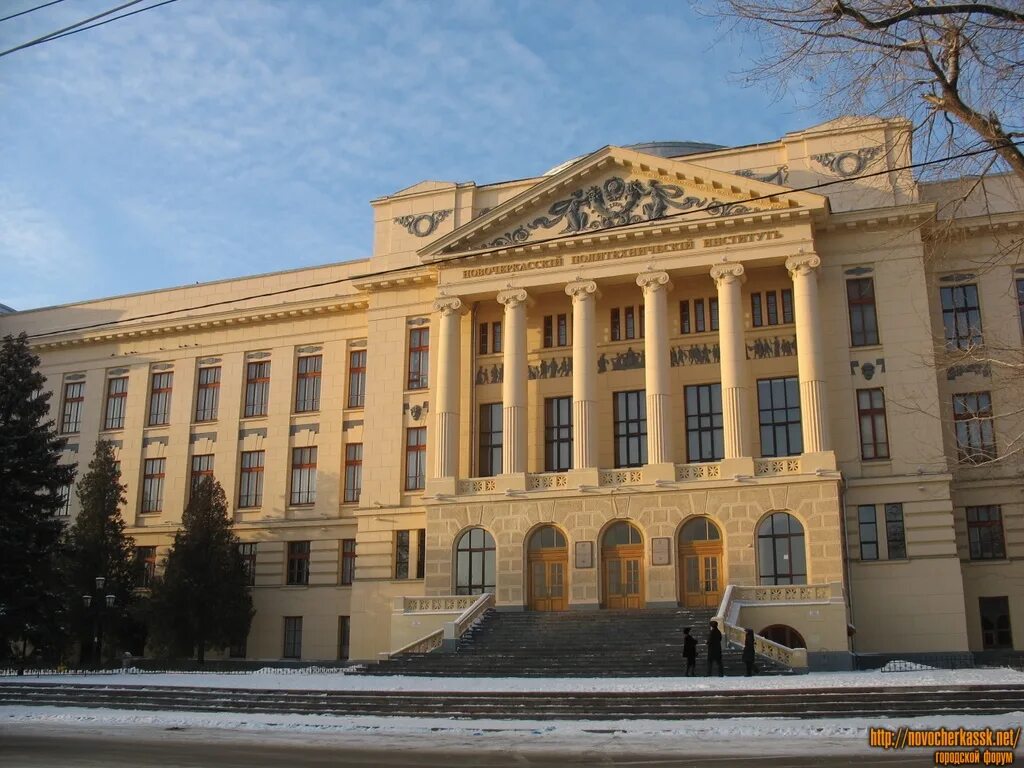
621	253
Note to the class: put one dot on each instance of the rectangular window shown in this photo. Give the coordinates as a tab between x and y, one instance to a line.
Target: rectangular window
64	510
357	378
631	428
985	532
208	394
415	458
771	302
298	563
630	320
74	396
153	485
562	330
292	637
145	557
705	438
616	327
713	311
307	383
490	439
344	632
778	403
160	399
972	420
483	337
684	316
303	476
698	315
549	331
895	534
557	434
117	399
250	485
247	552
202	466
348	561
961	316
787	305
996	632
419	358
874	437
401	554
860	300
353	472
421	552
756	317
867	523
496	337
257	388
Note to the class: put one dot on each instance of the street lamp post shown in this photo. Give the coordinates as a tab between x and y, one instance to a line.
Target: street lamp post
103	602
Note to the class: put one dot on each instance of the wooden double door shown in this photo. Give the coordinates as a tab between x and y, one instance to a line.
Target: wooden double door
547	584
701	574
622	576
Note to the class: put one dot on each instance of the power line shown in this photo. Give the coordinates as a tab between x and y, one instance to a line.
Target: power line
101	23
60	32
38	7
484	252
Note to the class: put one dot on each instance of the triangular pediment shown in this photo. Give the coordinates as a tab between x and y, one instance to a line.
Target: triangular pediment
616	188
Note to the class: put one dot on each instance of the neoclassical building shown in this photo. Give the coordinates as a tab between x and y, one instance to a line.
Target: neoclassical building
766	380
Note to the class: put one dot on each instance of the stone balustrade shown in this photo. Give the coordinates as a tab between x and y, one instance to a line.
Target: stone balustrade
469	610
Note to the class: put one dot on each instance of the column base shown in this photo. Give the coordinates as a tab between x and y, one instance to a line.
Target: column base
741	466
441	486
663	472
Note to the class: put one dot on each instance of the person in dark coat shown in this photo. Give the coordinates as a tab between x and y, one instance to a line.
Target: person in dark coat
715	649
748	652
689	653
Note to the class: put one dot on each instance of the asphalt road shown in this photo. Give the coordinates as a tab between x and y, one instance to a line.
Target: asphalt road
189	749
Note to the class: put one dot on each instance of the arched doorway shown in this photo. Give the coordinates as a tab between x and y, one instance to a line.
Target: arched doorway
474	563
547	556
700	564
781	558
622	566
783	634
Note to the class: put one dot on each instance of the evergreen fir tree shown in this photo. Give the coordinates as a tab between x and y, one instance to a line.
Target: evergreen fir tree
97	546
31	482
203	600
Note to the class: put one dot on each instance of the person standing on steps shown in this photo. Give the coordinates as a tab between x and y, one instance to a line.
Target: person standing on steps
689	653
715	649
748	652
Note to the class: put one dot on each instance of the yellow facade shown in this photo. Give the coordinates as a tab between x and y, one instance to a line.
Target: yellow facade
621	233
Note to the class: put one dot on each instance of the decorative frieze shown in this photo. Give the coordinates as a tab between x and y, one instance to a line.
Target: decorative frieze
778	176
423	224
867	369
850	163
766	348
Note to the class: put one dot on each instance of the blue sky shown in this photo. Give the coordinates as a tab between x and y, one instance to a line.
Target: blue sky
216	138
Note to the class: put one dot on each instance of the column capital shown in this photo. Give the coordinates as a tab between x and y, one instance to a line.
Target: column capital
728	273
449	305
652	282
581	289
802	264
512	297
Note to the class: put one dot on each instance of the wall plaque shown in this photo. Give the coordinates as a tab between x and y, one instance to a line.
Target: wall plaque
584	554
661	551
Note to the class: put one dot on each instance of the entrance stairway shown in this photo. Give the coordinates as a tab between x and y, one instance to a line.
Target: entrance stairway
607	643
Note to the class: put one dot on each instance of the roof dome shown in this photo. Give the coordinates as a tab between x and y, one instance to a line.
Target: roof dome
658	148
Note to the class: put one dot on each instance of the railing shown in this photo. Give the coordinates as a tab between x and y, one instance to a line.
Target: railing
475	485
787	593
547	480
768	467
473	607
620	476
794	658
705	471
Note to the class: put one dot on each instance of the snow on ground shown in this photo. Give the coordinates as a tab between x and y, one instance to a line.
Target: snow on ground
723	736
273	679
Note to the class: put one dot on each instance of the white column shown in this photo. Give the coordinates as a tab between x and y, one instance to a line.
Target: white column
728	279
513	387
584	373
446	414
810	352
656	286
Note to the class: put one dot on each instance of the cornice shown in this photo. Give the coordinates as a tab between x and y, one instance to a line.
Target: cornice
1012	221
119	331
384	280
876	218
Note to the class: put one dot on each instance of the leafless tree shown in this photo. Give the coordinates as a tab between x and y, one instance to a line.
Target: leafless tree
956	70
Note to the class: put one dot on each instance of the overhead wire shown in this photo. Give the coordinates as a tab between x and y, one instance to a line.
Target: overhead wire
30	10
107	21
486	251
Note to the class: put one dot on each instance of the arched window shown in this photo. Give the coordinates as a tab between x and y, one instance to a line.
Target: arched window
699	529
783	634
621	533
547	537
780	550
474	563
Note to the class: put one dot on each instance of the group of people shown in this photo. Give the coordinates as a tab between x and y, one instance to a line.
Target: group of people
714	644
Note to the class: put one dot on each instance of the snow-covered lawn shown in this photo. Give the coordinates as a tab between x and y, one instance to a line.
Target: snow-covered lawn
276	679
